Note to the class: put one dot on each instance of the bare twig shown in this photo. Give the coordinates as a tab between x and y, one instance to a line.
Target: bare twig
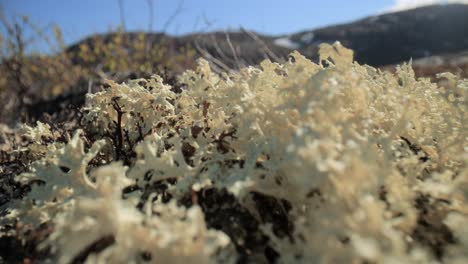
122	15
218	65
262	44
41	33
173	16
118	130
148	41
151	15
90	86
218	48
234	53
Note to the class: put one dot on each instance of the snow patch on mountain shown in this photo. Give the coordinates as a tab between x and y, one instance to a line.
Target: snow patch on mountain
286	42
400	5
307	37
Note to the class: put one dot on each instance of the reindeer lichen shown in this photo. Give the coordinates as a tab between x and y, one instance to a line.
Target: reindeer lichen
351	164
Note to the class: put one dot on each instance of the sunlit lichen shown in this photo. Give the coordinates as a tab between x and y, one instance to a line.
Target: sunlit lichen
373	165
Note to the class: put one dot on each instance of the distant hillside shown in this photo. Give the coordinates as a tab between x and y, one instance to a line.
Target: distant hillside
456	63
395	37
230	49
378	40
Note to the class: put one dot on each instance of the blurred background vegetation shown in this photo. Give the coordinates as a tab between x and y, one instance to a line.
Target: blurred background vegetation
43	75
30	80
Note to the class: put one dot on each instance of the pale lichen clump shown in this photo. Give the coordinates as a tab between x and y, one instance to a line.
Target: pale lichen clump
169	233
373	165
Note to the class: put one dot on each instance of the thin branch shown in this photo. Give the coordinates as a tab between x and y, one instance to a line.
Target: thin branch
151	14
218	48
215	62
263	45
172	17
234	53
118	130
122	15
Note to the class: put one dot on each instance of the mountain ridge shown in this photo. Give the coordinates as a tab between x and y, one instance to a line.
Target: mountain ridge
378	40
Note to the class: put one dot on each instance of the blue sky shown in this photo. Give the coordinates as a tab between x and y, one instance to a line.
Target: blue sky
80	18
